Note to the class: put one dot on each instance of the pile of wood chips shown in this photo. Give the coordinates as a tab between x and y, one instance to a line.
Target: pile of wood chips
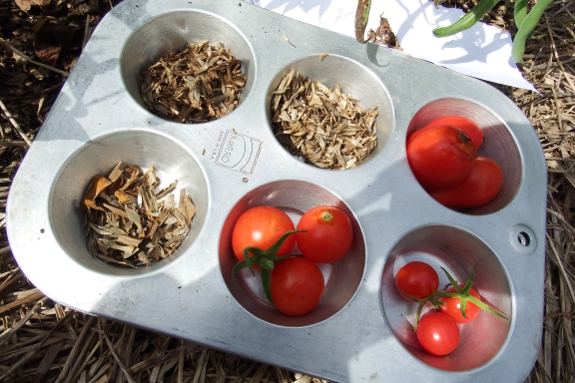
40	341
200	84
327	127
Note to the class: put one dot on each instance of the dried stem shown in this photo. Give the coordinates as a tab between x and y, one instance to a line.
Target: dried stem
24	56
14	123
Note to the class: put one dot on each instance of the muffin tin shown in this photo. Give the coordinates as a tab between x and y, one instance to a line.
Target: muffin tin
361	329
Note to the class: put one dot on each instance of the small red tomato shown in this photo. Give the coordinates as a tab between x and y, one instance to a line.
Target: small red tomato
261	227
468	126
453	308
480	187
438	333
297	285
417	279
328	234
440	157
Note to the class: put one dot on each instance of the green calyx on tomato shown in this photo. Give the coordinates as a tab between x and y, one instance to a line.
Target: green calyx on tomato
457	292
326	216
265	259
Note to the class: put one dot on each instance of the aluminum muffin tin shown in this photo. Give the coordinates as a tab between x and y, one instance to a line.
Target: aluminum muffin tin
360	331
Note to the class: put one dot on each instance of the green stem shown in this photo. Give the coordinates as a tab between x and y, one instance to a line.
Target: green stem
529	22
361	18
265	259
468	20
460	293
520	11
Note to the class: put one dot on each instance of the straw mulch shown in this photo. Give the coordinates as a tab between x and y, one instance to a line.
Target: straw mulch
40	341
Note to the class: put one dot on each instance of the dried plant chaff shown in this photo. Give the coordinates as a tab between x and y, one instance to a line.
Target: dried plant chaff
202	83
326	127
96	187
127	224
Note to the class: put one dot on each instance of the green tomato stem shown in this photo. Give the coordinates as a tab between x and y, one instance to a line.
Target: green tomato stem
468	20
460	293
265	259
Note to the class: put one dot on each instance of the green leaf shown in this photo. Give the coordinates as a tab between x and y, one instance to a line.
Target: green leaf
469	282
266	275
452	281
485	307
240	265
463	305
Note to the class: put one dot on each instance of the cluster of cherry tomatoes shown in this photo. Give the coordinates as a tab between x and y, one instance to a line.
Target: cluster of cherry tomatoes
264	237
443	158
438	330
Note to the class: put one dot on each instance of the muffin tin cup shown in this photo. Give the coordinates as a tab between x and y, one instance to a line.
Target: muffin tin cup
361	328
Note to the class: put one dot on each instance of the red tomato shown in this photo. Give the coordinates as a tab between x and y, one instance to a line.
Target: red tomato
438	333
480	187
417	279
453	309
468	126
297	285
440	157
328	235
261	227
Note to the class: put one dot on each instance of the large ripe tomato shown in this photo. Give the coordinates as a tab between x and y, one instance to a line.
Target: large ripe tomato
328	236
480	187
438	333
440	157
468	126
453	309
417	279
297	285
261	227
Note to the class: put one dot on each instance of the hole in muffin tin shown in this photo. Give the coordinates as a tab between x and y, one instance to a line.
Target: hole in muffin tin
170	33
99	156
498	144
524	239
342	278
355	80
458	252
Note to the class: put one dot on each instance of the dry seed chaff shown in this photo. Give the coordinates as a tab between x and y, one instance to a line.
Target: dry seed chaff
326	127
128	222
202	83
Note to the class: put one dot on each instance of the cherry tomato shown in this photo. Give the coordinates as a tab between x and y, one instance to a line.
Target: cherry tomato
261	227
440	157
468	126
328	235
297	285
417	279
437	333
453	308
480	187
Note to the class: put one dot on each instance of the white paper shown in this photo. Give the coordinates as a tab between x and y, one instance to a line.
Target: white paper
482	51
